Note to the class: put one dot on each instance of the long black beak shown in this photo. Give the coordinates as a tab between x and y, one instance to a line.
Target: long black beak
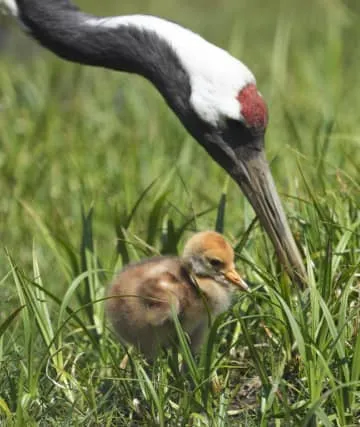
252	173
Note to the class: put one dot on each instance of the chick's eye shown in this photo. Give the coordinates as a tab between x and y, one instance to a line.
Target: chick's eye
217	263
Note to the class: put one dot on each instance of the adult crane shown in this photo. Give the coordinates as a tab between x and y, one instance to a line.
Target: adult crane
213	94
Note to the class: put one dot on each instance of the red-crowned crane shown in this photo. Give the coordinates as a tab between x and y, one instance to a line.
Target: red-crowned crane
214	95
144	296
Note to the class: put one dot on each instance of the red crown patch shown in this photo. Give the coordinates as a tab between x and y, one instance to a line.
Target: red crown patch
253	107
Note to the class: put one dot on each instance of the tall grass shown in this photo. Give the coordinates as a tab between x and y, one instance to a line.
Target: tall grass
96	172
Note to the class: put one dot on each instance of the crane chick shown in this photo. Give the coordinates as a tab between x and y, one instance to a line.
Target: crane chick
144	295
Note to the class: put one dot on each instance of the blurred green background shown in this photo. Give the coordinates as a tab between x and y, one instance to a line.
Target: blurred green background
93	164
73	135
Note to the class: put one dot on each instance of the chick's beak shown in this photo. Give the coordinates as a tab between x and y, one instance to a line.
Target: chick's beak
234	277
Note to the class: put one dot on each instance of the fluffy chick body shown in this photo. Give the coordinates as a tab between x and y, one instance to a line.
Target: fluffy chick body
143	295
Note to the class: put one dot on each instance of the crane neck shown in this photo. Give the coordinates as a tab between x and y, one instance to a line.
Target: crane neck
115	43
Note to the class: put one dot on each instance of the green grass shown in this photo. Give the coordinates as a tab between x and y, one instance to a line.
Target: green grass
95	171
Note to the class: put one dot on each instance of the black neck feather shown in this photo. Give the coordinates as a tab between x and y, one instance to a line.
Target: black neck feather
65	30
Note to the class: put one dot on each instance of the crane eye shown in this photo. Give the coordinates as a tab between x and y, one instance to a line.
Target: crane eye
216	263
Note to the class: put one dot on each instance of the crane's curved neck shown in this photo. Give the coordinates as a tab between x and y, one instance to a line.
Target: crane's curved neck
127	43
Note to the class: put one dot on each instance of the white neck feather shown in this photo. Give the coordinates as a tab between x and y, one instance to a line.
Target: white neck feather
9	6
216	77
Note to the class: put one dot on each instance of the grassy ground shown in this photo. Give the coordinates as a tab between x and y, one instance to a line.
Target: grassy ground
96	171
